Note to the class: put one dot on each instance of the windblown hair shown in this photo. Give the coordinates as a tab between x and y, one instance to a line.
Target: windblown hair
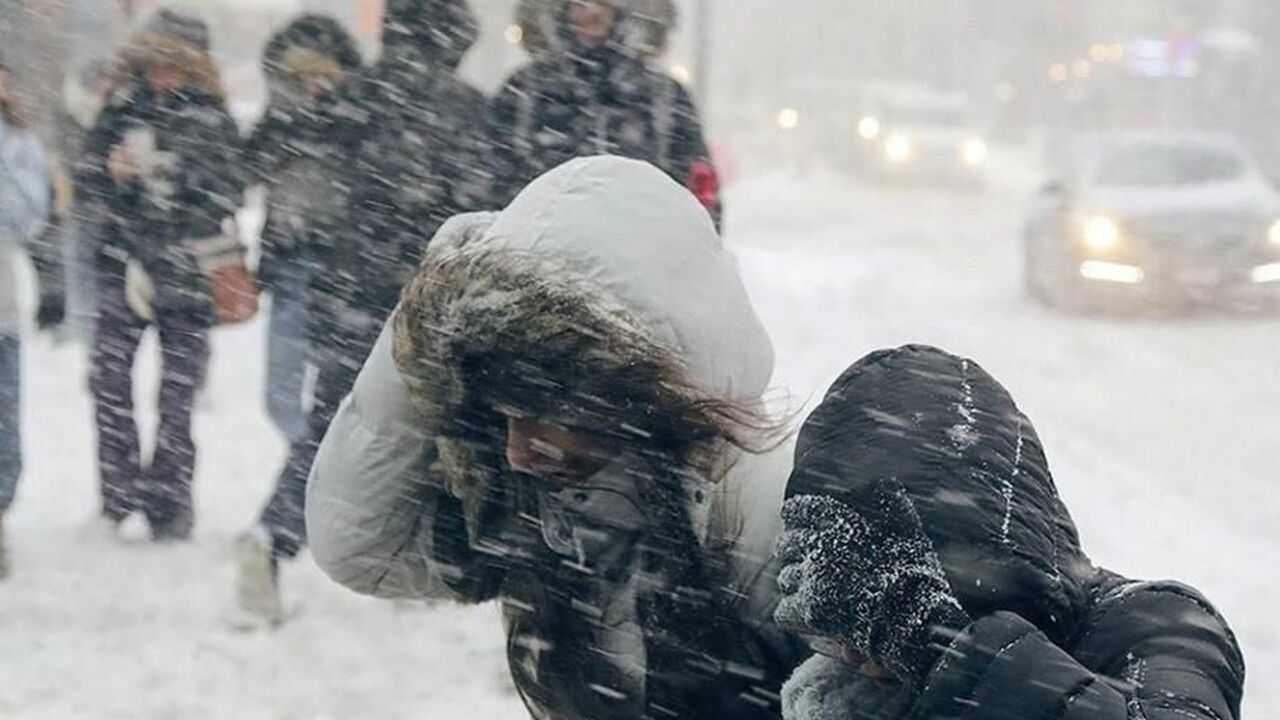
495	329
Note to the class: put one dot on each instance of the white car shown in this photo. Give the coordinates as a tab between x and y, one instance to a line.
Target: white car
1160	217
917	134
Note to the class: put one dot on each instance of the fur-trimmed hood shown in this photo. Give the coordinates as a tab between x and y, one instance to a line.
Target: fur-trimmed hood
603	269
149	48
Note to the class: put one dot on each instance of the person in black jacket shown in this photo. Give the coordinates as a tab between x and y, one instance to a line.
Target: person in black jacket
589	92
295	153
298	154
928	558
162	161
412	144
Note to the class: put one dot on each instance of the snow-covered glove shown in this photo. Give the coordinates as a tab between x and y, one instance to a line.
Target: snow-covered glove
872	583
139	291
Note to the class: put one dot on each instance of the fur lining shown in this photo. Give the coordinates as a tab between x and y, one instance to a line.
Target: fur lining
148	49
469	304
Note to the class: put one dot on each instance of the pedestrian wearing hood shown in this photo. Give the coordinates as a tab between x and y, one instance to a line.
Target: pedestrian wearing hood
564	415
24	208
590	90
295	153
299	154
162	160
414	137
927	555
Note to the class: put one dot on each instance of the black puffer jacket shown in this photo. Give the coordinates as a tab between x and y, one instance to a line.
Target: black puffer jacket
191	181
1054	637
573	101
416	137
296	150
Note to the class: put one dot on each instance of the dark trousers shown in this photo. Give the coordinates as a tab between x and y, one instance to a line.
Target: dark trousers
338	361
161	488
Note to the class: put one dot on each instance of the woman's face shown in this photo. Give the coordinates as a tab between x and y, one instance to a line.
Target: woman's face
166	78
560	456
591	22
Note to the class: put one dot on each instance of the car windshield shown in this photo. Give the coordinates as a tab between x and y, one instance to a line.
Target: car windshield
1168	165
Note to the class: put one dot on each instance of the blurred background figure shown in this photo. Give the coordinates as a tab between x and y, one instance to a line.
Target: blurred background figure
162	161
591	89
297	153
24	207
74	224
413	156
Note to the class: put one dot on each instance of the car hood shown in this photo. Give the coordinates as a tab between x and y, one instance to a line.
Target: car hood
1244	200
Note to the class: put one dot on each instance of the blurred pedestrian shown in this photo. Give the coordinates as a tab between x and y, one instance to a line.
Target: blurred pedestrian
24	208
564	415
592	88
299	155
76	219
415	156
929	559
296	153
162	159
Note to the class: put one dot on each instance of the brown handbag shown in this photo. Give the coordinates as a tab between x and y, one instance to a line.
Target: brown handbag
232	284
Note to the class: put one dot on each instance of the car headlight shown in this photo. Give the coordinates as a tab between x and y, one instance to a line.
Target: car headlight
1101	233
1273	233
898	149
974	152
869	128
788	119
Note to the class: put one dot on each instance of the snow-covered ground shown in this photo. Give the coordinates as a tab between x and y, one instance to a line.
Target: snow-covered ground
1162	434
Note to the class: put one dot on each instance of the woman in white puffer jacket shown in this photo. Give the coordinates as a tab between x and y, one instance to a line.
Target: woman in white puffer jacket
564	414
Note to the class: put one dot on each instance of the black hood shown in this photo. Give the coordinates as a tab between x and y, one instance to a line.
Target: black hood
974	467
314	32
440	31
566	45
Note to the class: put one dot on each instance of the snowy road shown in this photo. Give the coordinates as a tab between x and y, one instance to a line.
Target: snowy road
1162	434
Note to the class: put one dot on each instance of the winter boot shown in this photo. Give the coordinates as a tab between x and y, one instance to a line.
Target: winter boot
257	602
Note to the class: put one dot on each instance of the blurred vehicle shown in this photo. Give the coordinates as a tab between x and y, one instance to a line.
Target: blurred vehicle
1160	217
915	133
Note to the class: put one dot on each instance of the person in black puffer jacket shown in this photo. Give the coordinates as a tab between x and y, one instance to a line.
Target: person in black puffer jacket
162	161
928	558
411	141
295	154
298	153
589	91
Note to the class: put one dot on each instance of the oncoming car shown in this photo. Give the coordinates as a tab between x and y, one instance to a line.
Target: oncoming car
918	134
1185	218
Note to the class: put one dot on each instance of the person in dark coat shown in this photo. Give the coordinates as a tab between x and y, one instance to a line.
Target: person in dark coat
413	135
927	556
298	153
162	160
587	91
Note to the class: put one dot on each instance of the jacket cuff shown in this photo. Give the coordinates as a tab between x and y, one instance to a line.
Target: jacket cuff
1002	666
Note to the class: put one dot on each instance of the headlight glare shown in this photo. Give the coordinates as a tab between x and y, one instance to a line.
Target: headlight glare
974	152
1273	233
869	128
1101	233
898	149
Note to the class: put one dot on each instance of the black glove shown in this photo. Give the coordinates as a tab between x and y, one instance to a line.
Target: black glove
872	583
51	313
